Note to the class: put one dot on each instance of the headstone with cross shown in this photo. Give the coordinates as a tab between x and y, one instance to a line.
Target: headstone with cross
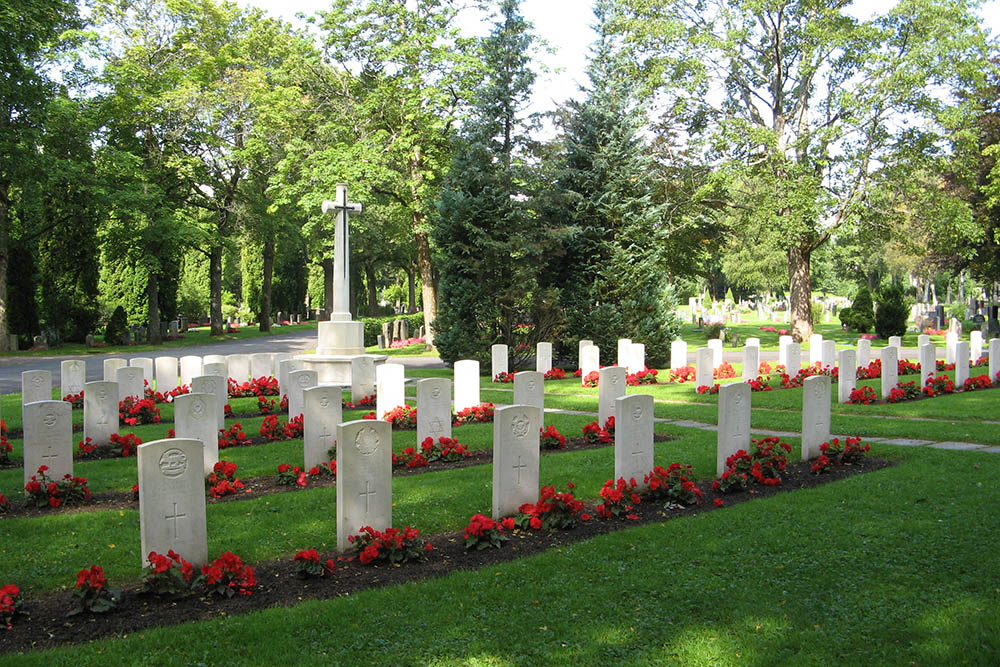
285	368
36	386
100	411
48	438
529	389
172	499
323	412
433	409
362	377
72	376
195	419
734	422
864	352
815	414
611	387
515	458
298	382
213	384
364	478
634	437
341	208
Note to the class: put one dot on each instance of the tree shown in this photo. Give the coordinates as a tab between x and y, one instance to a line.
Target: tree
798	103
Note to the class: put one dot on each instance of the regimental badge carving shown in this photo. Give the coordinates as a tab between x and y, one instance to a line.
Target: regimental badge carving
738	400
531	385
367	441
37	381
436	393
173	463
303	380
520	425
49	419
197	410
324	401
636	412
614	378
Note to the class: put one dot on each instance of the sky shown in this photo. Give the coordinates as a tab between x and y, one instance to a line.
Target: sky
566	26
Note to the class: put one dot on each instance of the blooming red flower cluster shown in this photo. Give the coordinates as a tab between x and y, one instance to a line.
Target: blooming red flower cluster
272	429
940	365
4	503
92	592
620	498
485	533
978	382
550	438
289	475
75	400
593	434
705	389
310	564
764	368
939	384
262	386
228	576
907	367
5	449
232	437
402	417
133	413
839	452
870	372
265	406
809	371
645	376
477	413
165	397
365	402
503	377
764	464
672	484
410	458
444	449
168	574
862	395
43	491
294	428
93	578
762	383
592	380
10	602
904	391
555	374
222	481
682	374
392	545
724	371
553	510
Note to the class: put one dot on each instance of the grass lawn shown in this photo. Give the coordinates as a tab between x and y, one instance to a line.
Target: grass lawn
893	567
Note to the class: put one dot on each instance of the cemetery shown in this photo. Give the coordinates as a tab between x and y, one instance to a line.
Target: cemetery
318	345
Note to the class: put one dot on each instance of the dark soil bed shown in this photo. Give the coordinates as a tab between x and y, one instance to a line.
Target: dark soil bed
45	624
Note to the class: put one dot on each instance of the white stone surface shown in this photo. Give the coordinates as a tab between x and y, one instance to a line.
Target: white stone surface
191	367
896	342
753	341
515	458
239	367
634	438
734	422
390	388
923	339
362	377
194	418
847	377
703	372
172	499
584	342
751	362
261	365
466	384
284	368
148	370
72	376
215	359
890	370
793	351
994	358
961	363
591	361
298	382
166	374
611	387
638	360
815	414
498	359
928	362
624	351
130	383
529	389
715	345
323	413
48	438
219	369
678	354
864	352
783	343
815	349
218	386
975	346
543	357
36	386
951	340
111	367
433	409
100	411
364	478
829	356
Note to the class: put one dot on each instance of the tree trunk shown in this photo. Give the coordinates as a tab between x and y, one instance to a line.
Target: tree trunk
4	260
428	291
372	289
153	308
215	290
411	276
799	296
265	288
328	285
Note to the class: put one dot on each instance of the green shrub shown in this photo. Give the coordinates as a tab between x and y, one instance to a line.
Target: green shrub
845	315
114	333
713	331
373	325
890	319
862	314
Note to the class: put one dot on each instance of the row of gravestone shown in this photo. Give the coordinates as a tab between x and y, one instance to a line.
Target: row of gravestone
631	356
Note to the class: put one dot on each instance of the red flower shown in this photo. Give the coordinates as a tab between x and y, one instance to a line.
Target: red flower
719	502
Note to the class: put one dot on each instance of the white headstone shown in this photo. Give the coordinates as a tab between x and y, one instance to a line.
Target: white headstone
239	367
994	358
364	478
217	385
864	352
612	386
624	351
734	422
896	342
751	362
498	360
323	413
638	360
166	374
923	339
48	438
783	343
543	357
277	358
961	363
928	362
261	365
715	345
111	367
815	349
72	376
130	383
847	377
172	499
529	389
215	359
284	368
362	377
703	372
829	356
890	370
433	409
815	414
975	346
753	341
794	355
515	458
194	417
146	364
591	361
678	354
951	340
389	388
584	342
298	382
191	367
218	369
634	438
466	384
100	411
36	386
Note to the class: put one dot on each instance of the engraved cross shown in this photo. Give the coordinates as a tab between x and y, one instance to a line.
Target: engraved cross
174	518
366	495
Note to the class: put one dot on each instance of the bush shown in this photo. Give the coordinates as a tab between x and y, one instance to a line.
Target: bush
373	325
114	333
712	331
860	316
845	315
890	320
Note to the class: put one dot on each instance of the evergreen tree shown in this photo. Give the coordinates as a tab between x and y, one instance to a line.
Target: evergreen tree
613	261
487	236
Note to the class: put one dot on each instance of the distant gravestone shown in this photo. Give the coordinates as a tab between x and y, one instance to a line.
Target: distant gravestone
191	367
994	359
48	438
390	389
380	340
734	422
172	499
715	345
815	414
753	341
36	386
130	383
277	358
950	341
219	370
637	362
433	409
864	352
194	417
284	369
166	374
975	346
847	377
591	361
261	365
298	382
173	328
362	377
72	376
239	367
515	458
498	360
397	330
146	364
634	438
961	363
584	342
624	351
543	357
364	478
890	370
529	389
794	355
923	339
100	411
404	329
111	367
829	356
611	387
323	413
815	349
217	386
783	343
386	332
751	362
704	377
678	354
215	359
466	384
928	362
896	342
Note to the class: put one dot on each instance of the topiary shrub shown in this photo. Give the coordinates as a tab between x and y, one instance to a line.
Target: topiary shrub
114	333
862	314
890	319
845	316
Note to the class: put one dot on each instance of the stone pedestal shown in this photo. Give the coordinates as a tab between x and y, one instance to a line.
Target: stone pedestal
340	341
